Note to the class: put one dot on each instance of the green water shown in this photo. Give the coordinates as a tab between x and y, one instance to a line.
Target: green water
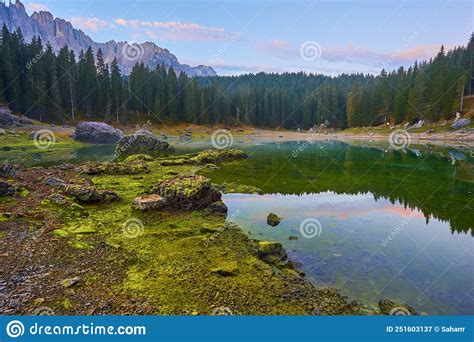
390	224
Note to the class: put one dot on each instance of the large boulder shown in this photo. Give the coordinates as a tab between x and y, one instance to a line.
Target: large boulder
97	133
141	142
7	119
188	192
461	123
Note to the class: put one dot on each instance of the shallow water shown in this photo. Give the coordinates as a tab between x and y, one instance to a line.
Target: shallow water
375	222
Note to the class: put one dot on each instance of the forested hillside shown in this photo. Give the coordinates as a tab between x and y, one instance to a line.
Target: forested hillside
64	87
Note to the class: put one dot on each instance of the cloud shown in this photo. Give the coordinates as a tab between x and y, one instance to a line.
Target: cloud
174	30
151	34
351	54
417	52
277	48
36	7
93	24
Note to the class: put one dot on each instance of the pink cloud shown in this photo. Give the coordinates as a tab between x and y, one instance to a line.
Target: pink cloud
151	34
174	30
418	52
93	24
351	53
278	48
36	7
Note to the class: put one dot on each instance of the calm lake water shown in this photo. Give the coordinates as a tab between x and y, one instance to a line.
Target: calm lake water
374	222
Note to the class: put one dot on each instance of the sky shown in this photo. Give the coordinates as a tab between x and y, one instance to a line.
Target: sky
235	37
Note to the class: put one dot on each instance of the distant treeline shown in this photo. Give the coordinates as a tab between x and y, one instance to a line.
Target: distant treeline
64	87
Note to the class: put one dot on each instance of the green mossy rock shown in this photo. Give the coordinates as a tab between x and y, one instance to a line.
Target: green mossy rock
123	168
213	156
218	208
188	192
226	269
89	194
271	252
204	158
149	202
273	220
138	157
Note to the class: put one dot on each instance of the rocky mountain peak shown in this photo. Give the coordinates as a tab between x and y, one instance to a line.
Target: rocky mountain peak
59	32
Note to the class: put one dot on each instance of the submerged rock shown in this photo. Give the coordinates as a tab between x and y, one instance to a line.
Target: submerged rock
233	188
6	189
97	133
150	202
213	156
188	192
7	119
141	142
271	252
390	307
89	194
273	220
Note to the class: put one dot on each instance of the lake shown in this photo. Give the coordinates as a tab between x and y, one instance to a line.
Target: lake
372	221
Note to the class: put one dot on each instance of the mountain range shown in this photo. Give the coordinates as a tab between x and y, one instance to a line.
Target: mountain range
59	32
